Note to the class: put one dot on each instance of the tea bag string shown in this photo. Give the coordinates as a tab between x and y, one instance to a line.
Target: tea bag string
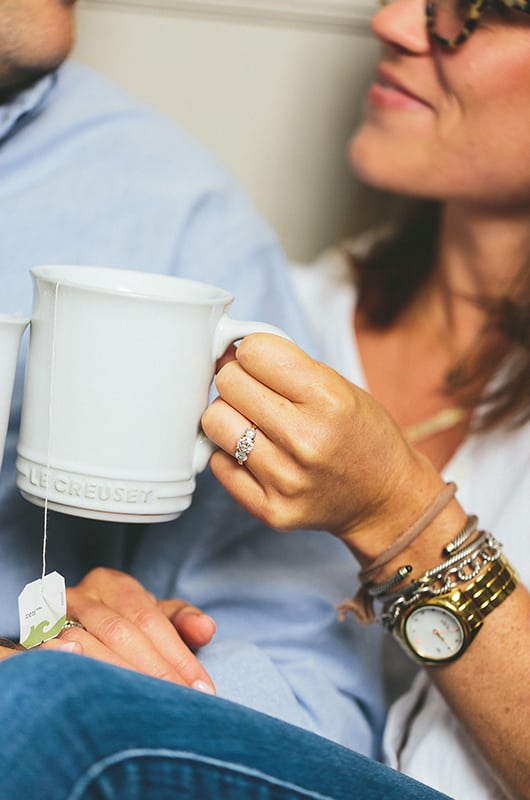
50	429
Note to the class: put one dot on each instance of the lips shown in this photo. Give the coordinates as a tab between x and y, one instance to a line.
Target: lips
389	92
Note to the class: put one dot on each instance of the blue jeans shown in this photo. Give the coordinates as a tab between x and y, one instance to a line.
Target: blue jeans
73	728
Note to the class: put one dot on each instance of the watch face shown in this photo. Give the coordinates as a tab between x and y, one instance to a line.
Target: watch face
434	633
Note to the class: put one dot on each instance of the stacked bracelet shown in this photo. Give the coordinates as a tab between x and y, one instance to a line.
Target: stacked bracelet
436	617
458	553
465	565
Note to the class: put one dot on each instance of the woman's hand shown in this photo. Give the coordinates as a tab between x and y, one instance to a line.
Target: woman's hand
326	454
127	626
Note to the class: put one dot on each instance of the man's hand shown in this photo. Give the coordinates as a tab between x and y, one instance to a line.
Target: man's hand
126	625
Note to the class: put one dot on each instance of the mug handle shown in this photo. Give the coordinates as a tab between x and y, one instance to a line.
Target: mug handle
227	332
11	330
230	330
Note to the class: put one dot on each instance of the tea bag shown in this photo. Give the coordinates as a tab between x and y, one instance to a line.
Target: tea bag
42	609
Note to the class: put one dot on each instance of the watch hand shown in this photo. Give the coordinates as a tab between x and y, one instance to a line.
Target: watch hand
439	635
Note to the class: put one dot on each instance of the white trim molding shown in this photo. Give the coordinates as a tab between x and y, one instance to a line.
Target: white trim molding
344	16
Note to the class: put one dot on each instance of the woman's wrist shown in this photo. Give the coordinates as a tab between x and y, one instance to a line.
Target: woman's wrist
441	529
427	550
416	488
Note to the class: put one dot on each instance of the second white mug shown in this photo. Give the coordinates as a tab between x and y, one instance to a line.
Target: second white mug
11	330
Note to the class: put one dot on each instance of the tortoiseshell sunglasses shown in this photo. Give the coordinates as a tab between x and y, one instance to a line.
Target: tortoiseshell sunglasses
451	22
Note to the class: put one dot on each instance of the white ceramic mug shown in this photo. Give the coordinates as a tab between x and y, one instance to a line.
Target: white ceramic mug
11	330
119	371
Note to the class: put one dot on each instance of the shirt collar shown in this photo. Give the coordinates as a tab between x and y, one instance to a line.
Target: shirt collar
25	104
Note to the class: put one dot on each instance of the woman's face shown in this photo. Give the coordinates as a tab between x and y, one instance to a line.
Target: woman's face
448	124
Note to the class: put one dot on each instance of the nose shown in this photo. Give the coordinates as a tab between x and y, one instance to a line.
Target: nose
402	24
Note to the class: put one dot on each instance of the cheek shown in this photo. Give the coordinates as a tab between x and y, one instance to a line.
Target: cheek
41	31
490	136
487	93
56	29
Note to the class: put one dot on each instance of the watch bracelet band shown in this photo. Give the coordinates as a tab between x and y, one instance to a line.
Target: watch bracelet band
485	593
471	605
474	602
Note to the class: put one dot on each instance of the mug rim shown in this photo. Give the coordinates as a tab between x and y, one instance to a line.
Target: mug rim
13	319
87	275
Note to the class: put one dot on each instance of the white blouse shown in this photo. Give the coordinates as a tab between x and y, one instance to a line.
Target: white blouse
423	738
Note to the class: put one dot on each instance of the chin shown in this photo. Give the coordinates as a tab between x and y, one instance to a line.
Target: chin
368	160
48	39
35	43
386	164
56	42
43	59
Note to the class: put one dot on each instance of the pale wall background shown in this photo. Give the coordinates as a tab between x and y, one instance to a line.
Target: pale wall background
272	86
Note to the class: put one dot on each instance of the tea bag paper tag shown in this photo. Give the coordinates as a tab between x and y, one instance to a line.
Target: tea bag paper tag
42	609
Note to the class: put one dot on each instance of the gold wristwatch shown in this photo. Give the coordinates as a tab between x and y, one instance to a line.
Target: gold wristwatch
439	629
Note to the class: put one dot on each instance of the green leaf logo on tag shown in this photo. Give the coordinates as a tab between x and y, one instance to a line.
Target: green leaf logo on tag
42	610
38	633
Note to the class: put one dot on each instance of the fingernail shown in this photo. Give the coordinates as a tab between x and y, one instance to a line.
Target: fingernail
192	612
70	647
197	615
202	686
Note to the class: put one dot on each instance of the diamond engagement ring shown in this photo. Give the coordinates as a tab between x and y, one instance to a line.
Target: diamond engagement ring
72	623
245	445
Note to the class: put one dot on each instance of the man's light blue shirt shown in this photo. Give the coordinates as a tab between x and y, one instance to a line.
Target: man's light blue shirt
90	176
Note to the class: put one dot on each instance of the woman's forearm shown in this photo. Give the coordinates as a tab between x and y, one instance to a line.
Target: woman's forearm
488	687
